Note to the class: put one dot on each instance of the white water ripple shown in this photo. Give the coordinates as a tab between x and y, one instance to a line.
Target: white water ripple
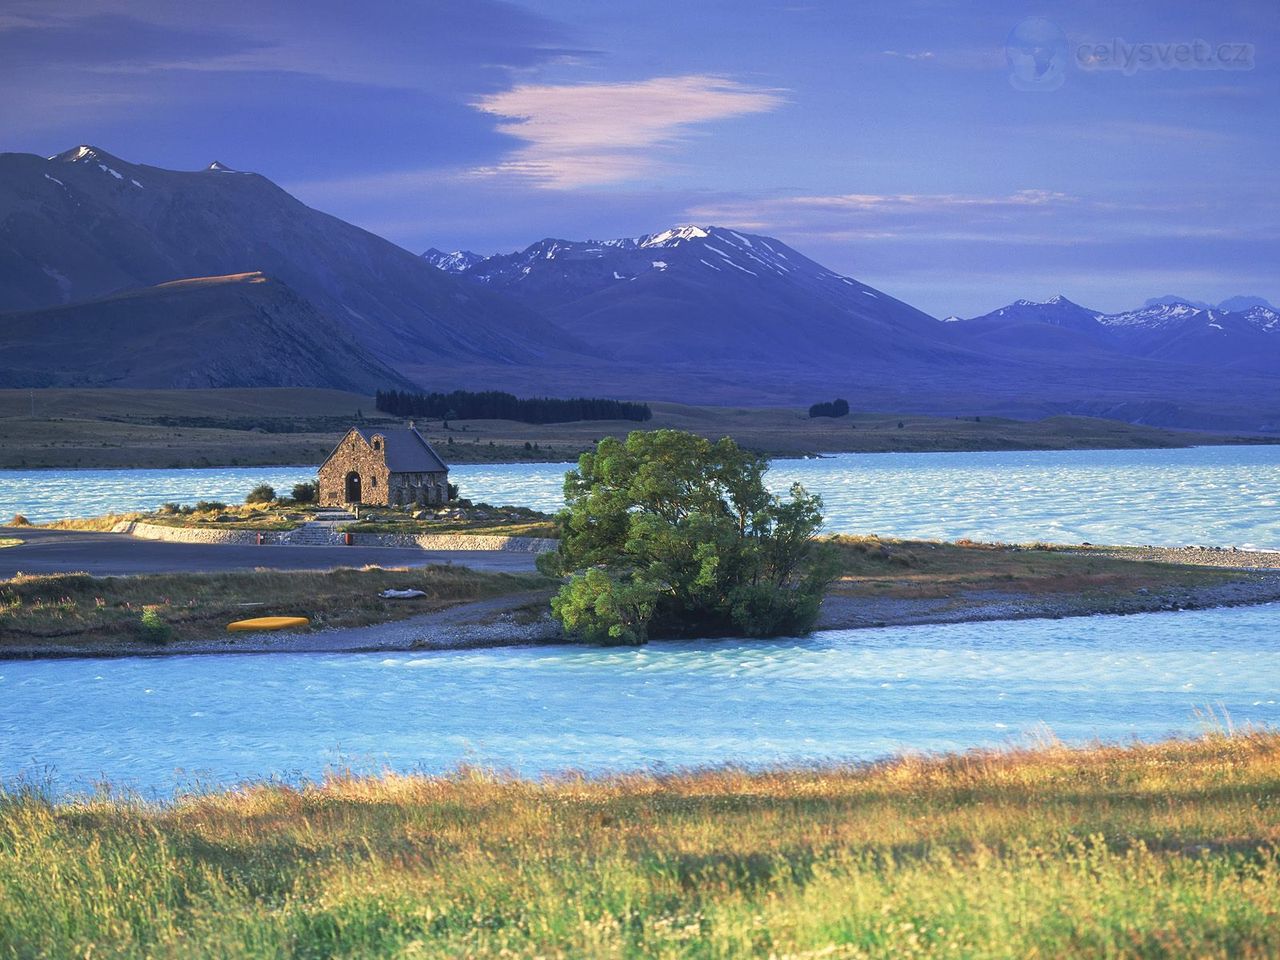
1219	496
156	723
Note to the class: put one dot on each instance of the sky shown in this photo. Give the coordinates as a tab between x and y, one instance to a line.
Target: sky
956	155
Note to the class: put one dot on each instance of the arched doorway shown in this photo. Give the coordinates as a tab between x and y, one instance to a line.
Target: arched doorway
353	487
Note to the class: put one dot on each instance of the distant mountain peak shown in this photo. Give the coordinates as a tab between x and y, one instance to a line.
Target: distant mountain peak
675	235
1173	300
87	153
84	152
219	167
1240	304
456	261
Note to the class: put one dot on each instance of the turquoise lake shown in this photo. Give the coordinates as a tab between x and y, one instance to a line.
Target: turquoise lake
156	725
1219	496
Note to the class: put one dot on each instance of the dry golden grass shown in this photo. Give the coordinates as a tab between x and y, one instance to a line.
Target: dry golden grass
1149	851
102	524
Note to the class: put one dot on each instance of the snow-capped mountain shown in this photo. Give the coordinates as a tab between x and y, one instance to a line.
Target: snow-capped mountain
1264	316
1230	305
1170	299
703	292
1156	315
1164	328
1059	312
456	261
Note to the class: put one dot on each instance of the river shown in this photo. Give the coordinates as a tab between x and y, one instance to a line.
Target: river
157	725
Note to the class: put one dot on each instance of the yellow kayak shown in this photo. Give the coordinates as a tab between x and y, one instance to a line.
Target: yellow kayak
267	623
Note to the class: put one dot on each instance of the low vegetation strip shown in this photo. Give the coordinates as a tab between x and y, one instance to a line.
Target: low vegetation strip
1167	850
876	566
66	612
496	405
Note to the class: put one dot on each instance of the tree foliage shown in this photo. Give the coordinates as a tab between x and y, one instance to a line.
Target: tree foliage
494	405
671	534
306	492
262	493
834	408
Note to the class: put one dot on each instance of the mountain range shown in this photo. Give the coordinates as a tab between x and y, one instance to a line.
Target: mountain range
708	293
1240	334
115	273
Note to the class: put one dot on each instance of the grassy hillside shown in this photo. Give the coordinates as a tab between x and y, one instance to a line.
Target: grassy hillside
164	428
243	329
1146	851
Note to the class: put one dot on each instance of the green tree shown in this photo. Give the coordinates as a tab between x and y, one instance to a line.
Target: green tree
262	493
306	492
669	533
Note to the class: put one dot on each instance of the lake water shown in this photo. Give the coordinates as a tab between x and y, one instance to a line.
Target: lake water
158	724
1224	496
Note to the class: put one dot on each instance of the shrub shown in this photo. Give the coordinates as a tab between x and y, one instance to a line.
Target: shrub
307	492
19	521
211	506
670	533
262	493
170	507
836	408
153	627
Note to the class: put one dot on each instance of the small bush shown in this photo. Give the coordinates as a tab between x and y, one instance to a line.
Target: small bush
19	521
212	506
262	493
169	507
307	492
154	629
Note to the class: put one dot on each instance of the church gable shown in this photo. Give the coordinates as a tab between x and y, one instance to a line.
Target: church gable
387	467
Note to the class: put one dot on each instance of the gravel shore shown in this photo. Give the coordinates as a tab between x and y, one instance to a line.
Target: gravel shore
1232	558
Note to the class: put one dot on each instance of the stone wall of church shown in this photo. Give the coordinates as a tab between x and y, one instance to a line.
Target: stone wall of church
354	456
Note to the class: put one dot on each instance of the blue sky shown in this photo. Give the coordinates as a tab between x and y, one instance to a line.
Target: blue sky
899	142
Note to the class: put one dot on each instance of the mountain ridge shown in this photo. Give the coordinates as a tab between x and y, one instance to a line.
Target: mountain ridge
85	224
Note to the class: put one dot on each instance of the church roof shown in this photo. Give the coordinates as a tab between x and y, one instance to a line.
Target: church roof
407	451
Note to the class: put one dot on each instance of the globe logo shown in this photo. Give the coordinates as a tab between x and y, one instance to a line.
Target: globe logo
1037	53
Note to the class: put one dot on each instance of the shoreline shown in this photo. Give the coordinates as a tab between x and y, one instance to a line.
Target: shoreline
507	621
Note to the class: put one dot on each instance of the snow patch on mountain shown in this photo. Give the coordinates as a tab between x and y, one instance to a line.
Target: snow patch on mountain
456	261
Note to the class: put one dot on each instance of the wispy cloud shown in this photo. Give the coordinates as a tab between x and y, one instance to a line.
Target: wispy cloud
941	201
885	216
592	134
1028	218
917	55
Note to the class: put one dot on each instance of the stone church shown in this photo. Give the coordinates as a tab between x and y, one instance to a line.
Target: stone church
389	467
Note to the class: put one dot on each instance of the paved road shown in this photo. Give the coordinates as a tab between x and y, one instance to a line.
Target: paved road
117	554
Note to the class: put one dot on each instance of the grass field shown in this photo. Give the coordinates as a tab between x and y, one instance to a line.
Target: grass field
874	566
144	612
1167	851
179	428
